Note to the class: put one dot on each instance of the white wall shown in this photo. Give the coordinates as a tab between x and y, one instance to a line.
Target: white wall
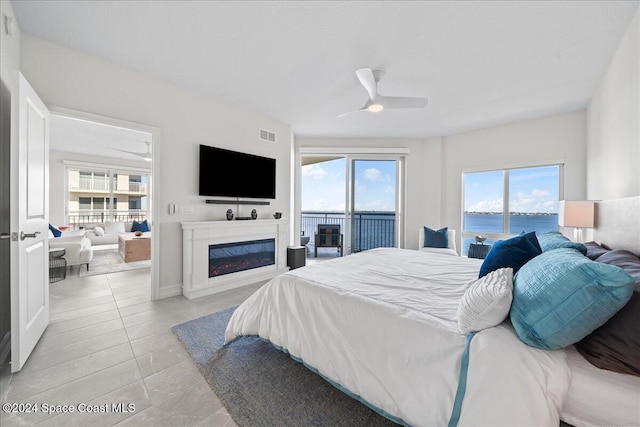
70	79
57	188
613	135
435	165
557	137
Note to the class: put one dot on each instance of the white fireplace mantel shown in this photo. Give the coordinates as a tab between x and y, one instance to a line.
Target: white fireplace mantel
198	235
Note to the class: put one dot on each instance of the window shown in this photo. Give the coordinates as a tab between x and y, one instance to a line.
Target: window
499	204
92	195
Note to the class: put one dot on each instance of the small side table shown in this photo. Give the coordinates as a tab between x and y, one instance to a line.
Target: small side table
296	256
477	250
57	265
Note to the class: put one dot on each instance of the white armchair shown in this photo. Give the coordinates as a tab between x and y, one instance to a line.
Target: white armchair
78	249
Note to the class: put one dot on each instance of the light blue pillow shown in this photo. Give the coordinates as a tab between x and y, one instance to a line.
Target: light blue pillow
514	252
561	296
555	240
436	238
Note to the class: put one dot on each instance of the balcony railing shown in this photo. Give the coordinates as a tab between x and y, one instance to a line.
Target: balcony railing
83	217
102	185
370	229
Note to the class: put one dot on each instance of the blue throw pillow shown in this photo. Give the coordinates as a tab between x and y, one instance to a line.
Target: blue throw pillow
55	230
140	226
562	296
436	238
514	252
555	240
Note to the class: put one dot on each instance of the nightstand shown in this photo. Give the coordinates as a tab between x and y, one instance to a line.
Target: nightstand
479	251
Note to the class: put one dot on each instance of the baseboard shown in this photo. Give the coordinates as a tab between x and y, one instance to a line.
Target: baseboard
170	291
5	347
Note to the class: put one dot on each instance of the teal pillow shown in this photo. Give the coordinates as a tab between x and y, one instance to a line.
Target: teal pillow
554	240
436	238
561	296
514	252
140	226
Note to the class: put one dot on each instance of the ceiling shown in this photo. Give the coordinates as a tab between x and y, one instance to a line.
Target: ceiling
480	63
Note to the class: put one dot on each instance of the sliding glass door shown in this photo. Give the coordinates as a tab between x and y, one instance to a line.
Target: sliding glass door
362	194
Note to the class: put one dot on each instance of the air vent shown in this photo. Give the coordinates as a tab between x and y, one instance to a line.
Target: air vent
268	136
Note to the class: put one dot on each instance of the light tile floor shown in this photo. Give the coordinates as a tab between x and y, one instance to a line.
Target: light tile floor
108	343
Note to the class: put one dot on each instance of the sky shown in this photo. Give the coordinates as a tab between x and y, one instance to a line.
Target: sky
530	190
323	186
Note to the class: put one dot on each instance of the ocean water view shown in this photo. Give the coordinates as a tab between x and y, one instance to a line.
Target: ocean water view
377	229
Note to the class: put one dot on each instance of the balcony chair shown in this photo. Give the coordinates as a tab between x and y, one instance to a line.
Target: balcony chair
328	236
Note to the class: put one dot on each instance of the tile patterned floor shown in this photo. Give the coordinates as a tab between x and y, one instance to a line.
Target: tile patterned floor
108	343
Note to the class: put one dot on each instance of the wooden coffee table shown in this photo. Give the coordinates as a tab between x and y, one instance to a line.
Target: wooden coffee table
133	248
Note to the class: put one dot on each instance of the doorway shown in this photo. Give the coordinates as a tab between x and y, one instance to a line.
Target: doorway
362	193
102	174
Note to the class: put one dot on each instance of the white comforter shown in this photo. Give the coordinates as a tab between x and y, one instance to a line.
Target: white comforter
382	324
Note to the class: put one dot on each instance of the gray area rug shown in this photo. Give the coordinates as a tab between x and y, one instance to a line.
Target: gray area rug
108	260
262	386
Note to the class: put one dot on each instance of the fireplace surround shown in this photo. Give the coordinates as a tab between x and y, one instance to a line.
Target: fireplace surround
257	247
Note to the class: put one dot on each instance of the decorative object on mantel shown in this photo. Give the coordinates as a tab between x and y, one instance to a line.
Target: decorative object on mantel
229	214
254	214
480	239
277	215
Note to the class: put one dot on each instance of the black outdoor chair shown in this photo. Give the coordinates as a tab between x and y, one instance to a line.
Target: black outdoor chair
328	236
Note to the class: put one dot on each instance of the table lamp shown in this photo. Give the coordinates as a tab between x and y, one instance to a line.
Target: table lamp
577	213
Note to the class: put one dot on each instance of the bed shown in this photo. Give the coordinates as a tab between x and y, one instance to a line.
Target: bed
383	326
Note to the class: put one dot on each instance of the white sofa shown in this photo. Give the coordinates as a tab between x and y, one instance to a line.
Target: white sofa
78	250
106	233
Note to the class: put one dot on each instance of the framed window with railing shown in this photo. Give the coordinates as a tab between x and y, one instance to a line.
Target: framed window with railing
97	194
501	203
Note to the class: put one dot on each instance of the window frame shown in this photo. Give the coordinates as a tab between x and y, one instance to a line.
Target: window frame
506	196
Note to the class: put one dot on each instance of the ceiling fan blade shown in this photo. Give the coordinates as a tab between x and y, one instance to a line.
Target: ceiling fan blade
368	80
351	112
402	102
146	155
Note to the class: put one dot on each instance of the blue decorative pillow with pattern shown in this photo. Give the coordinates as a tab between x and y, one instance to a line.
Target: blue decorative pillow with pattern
514	252
140	226
436	238
561	296
555	240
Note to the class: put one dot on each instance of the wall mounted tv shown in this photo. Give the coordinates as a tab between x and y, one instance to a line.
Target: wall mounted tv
227	173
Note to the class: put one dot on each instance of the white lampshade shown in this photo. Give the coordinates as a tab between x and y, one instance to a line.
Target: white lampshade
576	213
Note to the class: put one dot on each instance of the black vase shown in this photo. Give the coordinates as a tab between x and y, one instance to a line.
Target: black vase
229	214
254	214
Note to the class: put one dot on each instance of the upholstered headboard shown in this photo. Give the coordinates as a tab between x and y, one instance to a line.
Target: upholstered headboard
618	223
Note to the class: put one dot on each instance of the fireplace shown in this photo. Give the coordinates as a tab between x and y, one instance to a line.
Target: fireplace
233	257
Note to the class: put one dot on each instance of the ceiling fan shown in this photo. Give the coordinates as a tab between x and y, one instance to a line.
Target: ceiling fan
145	156
376	102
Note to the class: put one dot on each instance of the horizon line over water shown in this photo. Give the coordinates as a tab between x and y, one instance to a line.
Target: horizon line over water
511	213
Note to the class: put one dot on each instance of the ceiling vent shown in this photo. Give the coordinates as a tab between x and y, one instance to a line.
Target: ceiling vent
268	136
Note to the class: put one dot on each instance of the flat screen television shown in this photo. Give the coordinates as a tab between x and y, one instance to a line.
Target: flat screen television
227	173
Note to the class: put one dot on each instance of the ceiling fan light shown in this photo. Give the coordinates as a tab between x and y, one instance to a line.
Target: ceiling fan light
375	108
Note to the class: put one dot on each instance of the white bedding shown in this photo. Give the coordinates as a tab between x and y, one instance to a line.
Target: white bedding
382	324
598	397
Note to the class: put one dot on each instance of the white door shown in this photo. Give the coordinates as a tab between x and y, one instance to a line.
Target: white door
30	217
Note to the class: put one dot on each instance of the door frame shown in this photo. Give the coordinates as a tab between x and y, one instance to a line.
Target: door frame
153	184
358	153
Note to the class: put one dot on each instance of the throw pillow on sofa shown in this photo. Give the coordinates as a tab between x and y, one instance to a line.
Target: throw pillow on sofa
99	231
112	227
140	226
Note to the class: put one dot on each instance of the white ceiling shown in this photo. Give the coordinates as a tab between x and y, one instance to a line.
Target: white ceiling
480	63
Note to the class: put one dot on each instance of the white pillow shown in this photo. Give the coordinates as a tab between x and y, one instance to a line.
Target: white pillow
114	227
487	301
99	231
